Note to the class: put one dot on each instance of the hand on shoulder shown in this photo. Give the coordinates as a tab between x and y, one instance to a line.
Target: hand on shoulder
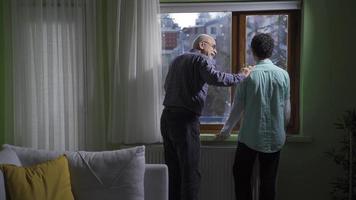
247	70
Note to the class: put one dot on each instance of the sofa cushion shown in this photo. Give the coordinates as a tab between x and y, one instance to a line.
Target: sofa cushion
30	156
8	156
109	175
48	180
105	175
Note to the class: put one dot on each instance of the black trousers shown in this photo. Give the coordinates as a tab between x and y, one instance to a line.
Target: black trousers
180	132
243	166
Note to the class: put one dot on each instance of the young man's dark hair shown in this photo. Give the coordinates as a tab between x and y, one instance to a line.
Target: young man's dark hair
262	45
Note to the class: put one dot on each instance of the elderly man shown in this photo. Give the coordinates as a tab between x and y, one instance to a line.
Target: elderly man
186	88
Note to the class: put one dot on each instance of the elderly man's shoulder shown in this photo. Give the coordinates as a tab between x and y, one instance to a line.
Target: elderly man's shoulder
193	55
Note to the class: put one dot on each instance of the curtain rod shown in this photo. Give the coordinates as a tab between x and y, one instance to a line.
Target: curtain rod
229	6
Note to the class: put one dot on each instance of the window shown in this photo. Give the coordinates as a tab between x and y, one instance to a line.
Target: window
233	32
212	31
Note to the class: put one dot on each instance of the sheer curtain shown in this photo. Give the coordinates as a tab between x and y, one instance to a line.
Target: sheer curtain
85	73
48	73
136	74
123	72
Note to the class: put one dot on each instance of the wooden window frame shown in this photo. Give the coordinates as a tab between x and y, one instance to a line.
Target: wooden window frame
238	38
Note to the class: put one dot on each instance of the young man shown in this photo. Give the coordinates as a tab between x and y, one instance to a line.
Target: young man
264	101
186	88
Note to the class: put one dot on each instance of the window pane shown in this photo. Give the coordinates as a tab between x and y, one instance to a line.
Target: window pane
178	32
277	26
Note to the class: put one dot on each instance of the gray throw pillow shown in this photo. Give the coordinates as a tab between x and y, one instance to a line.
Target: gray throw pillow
108	175
30	156
8	156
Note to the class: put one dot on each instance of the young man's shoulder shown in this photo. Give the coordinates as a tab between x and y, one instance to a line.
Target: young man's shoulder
262	69
278	69
283	71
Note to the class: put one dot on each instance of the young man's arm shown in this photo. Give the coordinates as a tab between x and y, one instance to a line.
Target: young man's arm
235	114
287	113
287	106
234	117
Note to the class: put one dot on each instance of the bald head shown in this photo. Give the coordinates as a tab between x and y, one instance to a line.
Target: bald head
201	38
205	44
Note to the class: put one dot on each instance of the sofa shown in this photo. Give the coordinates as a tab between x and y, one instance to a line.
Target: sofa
107	175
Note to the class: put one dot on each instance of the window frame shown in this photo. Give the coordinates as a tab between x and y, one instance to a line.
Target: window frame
239	12
294	31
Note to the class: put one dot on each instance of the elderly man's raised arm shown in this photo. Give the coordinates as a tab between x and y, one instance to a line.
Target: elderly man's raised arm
218	78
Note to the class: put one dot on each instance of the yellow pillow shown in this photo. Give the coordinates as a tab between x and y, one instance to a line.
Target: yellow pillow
46	181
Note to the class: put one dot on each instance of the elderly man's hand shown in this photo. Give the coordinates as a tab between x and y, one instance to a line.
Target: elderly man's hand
247	70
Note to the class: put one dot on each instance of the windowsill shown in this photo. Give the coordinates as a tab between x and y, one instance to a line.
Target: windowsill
209	139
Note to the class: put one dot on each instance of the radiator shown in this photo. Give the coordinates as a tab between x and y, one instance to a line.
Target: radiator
216	170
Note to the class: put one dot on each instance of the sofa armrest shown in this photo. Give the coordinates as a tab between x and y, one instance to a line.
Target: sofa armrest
2	187
156	182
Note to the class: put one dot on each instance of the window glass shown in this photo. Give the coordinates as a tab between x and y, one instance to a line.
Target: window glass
277	26
178	32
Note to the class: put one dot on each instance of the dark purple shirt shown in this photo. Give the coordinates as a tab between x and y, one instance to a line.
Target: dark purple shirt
188	78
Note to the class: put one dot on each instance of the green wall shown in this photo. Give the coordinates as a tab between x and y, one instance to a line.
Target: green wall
5	75
327	89
2	74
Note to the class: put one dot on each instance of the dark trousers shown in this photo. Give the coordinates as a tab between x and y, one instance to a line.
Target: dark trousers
180	132
243	166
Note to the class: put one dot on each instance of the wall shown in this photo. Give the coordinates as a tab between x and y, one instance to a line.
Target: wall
2	85
2	72
327	90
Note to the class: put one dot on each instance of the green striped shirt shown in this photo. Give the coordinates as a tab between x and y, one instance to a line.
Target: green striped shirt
263	101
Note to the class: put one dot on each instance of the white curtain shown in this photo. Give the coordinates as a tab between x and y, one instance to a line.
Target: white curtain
48	73
136	74
86	73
